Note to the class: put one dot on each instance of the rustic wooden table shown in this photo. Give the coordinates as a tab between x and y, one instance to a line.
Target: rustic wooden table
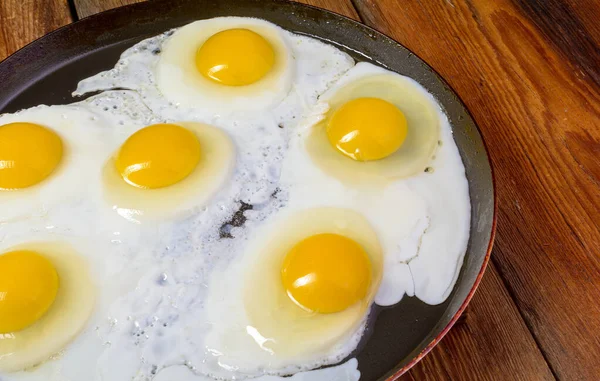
529	71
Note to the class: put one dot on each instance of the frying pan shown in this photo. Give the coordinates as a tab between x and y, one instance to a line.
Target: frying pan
47	71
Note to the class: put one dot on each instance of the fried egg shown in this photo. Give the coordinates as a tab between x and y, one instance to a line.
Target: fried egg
308	279
377	125
47	298
168	168
227	63
47	156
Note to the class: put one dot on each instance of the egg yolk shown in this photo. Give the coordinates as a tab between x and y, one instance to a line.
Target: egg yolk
158	156
326	273
235	57
28	287
29	153
366	129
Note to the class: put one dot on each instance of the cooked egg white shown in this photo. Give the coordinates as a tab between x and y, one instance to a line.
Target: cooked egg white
346	372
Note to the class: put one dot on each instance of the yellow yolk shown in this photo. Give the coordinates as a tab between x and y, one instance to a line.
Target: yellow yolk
28	154
158	156
28	287
326	273
367	129
235	57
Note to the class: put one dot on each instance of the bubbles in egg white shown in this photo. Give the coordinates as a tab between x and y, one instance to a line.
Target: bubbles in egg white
318	65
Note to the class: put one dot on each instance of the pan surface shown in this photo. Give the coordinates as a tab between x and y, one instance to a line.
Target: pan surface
48	70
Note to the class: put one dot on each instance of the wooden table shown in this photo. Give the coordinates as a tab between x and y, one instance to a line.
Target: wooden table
529	71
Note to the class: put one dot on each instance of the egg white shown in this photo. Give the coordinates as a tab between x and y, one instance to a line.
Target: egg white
345	372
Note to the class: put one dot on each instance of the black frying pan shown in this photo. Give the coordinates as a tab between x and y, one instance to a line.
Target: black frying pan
47	71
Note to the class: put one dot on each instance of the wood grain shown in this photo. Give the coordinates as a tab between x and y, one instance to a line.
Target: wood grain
86	8
342	7
528	71
22	21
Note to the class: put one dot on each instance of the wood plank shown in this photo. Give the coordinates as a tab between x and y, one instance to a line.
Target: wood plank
342	7
23	21
492	341
87	8
528	71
